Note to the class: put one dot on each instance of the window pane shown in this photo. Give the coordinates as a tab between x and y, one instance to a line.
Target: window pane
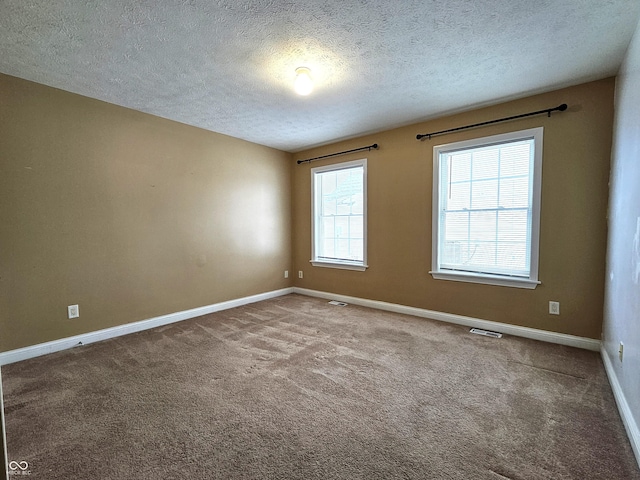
484	194
357	249
342	227
342	248
460	167
452	252
356	226
516	158
328	183
485	163
514	192
456	226
481	255
513	257
482	226
328	249
343	206
328	227
328	205
357	208
459	196
513	226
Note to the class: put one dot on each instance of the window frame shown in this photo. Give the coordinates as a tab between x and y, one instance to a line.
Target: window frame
340	264
535	181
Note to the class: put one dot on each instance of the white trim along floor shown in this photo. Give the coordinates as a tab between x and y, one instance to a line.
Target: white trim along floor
24	353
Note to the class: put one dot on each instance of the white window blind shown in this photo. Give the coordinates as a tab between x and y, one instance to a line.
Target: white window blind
487	207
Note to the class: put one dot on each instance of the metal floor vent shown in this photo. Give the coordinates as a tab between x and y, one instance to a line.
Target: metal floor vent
486	333
340	304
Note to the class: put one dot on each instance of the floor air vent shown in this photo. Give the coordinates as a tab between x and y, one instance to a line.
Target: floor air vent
340	304
486	333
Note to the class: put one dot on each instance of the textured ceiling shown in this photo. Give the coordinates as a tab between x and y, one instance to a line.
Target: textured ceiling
228	66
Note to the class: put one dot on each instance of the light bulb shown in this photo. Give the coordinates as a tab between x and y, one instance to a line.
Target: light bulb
303	84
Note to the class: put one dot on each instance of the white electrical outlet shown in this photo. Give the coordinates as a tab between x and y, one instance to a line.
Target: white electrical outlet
286	274
300	274
73	311
554	308
621	351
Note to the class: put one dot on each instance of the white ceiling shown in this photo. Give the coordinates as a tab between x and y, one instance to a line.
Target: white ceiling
228	66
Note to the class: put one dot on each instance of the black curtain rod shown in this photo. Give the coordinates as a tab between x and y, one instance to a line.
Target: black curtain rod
375	146
559	108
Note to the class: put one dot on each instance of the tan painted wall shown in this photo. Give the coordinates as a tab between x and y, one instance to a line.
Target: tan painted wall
128	215
577	148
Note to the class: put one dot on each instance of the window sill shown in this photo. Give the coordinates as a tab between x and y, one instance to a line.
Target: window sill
340	265
487	279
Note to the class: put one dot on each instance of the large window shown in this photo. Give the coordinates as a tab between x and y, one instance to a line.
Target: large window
486	209
339	236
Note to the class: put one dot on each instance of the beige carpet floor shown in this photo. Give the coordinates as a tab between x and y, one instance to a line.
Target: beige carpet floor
295	388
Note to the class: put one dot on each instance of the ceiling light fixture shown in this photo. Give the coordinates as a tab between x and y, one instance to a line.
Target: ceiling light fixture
303	84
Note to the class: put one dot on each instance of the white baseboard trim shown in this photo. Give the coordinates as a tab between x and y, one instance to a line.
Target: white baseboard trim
533	333
630	424
32	351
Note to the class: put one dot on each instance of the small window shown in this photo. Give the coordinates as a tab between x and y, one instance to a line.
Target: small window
339	217
486	209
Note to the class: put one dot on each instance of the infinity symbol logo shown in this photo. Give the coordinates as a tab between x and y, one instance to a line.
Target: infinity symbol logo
13	465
